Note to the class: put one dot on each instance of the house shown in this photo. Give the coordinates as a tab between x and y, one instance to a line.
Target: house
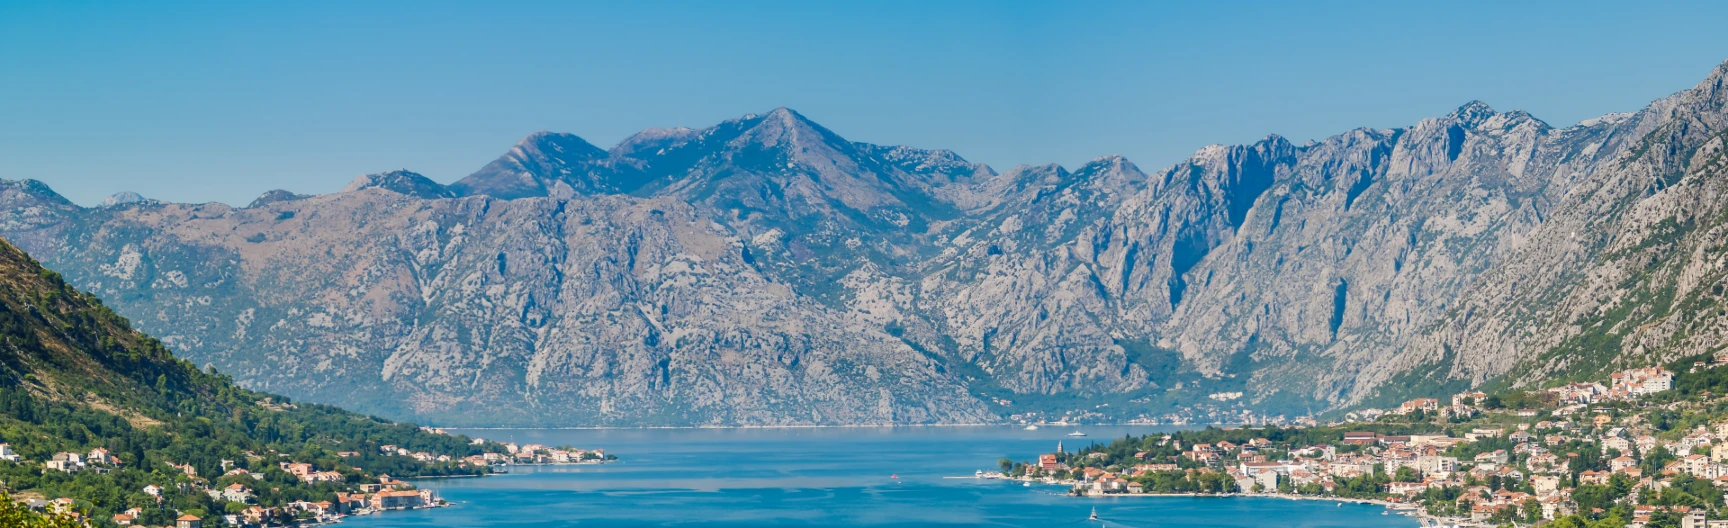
1408	489
321	476
188	521
1419	404
1697	466
297	469
153	491
1047	462
348	502
100	456
1361	438
1644	381
1545	483
236	493
124	519
398	500
1599	478
7	454
1482	432
1468	398
1622	462
1436	464
1621	444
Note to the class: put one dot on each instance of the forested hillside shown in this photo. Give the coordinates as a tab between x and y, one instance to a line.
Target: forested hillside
76	378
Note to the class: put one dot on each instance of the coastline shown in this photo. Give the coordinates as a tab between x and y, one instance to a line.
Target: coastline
1392	508
853	426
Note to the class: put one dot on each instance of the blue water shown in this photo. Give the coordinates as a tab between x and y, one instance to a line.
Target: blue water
826	477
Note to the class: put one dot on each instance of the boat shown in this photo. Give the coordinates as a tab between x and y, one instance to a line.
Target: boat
1094	516
1031	428
1076	433
1026	484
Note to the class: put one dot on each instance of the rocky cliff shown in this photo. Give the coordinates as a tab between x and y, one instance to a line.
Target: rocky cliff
768	271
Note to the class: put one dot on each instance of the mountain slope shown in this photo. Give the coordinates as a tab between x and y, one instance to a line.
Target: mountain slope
1631	272
768	271
74	377
603	310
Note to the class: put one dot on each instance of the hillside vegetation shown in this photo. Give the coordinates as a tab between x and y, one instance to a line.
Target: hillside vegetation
75	377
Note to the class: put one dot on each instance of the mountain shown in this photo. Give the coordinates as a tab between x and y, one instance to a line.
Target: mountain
76	377
768	271
398	181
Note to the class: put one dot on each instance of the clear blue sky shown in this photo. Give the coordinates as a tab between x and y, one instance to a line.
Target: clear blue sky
221	101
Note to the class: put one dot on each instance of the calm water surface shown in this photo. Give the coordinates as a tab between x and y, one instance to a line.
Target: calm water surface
826	477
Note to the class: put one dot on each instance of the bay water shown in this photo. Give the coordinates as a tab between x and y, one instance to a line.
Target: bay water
901	476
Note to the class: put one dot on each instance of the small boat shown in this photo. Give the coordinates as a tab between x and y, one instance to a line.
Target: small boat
1076	433
1031	428
1094	516
895	476
1026	484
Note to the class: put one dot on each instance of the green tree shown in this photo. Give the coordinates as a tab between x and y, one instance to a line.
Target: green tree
13	514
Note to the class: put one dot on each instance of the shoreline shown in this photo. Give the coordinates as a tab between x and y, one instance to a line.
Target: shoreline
855	426
1392	508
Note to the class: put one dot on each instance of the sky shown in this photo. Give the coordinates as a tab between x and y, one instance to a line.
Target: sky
221	101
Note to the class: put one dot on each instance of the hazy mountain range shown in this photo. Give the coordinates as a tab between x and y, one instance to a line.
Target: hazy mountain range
768	271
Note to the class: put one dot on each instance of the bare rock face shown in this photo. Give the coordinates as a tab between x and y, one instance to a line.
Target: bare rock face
1627	269
768	271
603	310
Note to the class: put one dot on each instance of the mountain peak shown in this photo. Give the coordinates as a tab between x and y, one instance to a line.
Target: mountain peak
787	129
789	116
401	181
273	196
1472	113
547	142
651	140
542	164
123	198
32	188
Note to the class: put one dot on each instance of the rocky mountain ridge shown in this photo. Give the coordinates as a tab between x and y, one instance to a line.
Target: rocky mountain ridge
768	271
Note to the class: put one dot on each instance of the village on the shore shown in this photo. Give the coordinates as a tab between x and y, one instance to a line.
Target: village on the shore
347	489
1627	451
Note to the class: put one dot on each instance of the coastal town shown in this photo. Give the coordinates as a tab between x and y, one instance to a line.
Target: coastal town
250	489
1644	448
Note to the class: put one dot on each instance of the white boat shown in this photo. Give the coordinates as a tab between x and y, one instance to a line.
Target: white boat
1026	484
1076	433
1031	428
